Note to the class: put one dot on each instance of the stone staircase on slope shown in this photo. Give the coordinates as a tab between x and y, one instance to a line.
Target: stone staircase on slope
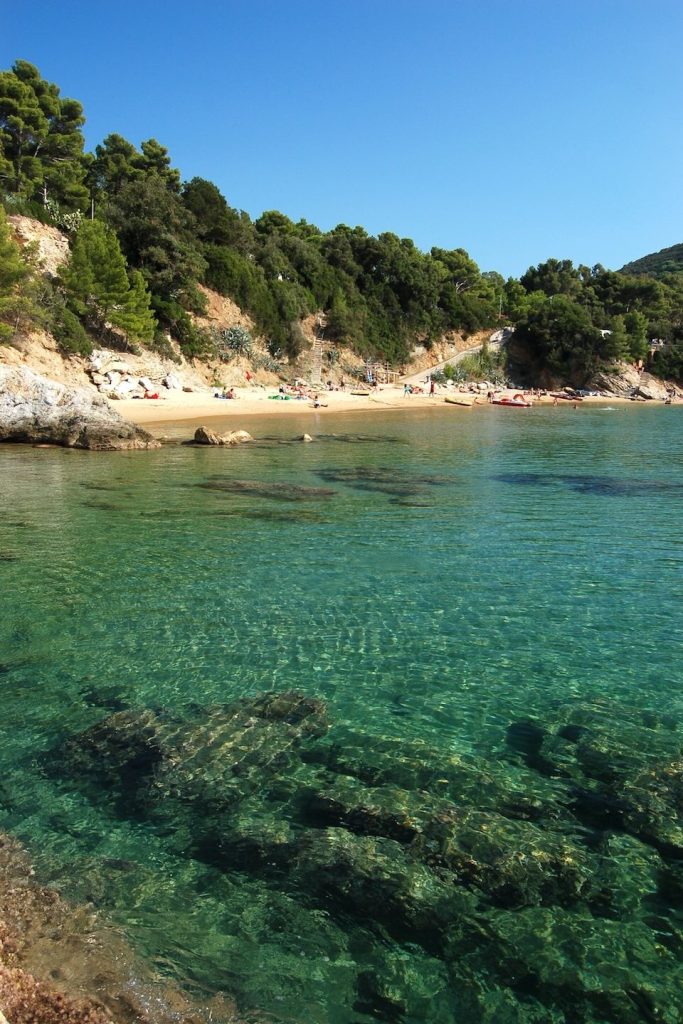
318	349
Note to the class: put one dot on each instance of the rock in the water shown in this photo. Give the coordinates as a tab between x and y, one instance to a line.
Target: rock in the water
553	876
306	437
34	410
204	435
237	437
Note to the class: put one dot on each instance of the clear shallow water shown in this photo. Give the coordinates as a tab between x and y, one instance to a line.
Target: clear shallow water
468	572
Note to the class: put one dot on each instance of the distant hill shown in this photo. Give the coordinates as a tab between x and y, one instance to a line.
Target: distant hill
657	264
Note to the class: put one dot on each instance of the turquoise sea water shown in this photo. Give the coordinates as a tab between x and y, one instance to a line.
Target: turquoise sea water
461	589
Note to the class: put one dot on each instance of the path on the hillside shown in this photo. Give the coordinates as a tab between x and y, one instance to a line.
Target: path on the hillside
419	378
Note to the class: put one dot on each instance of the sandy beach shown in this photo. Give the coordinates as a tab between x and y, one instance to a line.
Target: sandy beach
179	406
197	406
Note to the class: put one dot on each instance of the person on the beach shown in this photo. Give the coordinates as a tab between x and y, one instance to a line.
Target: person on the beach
432	387
407	390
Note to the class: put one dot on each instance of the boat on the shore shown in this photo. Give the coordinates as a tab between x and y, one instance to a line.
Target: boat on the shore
467	400
361	394
515	401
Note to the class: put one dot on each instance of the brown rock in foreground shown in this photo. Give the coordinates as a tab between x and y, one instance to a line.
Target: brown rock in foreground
62	964
35	410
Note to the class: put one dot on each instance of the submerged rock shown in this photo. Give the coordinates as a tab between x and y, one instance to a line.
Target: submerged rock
383	479
273	491
623	769
35	410
536	888
146	757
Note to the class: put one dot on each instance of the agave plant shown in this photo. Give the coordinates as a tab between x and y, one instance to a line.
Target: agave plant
233	341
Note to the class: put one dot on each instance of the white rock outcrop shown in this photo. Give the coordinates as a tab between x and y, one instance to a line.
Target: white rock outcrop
35	410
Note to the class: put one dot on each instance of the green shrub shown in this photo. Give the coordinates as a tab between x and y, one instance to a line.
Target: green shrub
161	344
70	334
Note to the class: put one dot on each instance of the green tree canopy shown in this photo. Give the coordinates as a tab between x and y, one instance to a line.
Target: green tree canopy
560	340
217	222
158	237
554	277
113	165
117	162
41	142
97	286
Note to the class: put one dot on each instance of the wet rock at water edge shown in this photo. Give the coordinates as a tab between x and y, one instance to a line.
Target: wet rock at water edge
35	410
63	964
206	436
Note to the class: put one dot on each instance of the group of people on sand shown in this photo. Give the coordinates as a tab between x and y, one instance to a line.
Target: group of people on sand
228	393
415	389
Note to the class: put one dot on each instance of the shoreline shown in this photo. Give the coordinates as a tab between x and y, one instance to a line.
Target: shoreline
179	407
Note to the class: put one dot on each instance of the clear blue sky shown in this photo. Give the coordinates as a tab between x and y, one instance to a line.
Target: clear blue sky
516	129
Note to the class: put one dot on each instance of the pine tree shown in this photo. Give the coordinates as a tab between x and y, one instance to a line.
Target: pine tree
136	317
41	143
97	287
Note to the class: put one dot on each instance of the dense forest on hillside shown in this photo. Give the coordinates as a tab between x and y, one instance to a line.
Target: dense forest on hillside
143	240
658	264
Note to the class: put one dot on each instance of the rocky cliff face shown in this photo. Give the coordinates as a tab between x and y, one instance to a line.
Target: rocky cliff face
35	410
628	382
51	246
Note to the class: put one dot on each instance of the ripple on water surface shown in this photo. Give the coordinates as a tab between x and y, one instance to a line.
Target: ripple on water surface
489	609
